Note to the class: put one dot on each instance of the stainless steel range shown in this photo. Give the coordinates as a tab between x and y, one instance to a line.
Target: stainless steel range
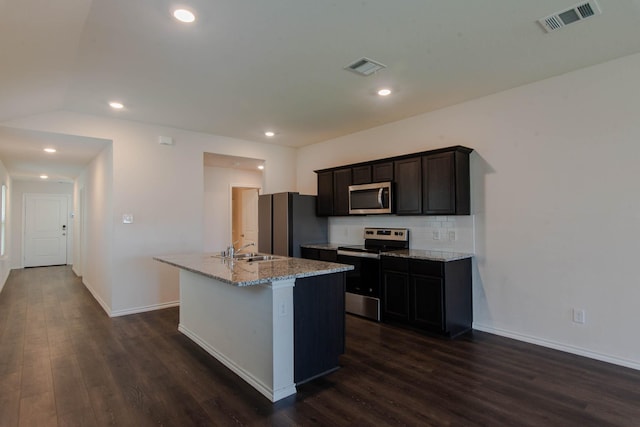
363	283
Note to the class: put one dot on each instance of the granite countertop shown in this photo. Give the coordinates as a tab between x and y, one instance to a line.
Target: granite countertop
328	246
430	255
243	273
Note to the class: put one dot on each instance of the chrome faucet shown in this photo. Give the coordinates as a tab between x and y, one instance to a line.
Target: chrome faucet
244	246
231	250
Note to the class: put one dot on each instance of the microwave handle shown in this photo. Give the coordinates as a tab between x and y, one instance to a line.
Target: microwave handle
380	197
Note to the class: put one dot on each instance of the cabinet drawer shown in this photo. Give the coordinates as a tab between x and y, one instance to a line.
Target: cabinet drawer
327	255
394	263
426	268
308	253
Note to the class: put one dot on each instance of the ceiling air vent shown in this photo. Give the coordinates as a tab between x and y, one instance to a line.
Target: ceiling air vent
576	13
365	67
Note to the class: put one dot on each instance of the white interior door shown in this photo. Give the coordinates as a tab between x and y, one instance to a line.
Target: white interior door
249	231
45	229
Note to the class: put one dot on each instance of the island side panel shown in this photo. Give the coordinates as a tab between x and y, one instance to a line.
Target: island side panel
235	324
319	325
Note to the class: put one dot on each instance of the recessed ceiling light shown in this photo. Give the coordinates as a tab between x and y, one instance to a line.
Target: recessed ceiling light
261	167
269	133
384	92
50	150
44	176
184	15
116	105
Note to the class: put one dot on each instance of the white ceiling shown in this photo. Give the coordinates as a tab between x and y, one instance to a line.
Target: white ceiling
22	153
246	66
232	162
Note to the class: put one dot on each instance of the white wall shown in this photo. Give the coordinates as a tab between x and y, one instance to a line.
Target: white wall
22	187
217	203
555	195
5	260
163	188
94	228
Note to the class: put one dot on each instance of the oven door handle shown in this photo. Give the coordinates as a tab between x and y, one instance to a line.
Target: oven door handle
358	254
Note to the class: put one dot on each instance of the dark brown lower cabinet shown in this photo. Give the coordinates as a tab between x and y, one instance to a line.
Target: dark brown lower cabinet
395	287
431	296
427	310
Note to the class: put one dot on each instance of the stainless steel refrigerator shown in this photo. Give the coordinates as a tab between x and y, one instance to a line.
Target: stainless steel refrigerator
287	220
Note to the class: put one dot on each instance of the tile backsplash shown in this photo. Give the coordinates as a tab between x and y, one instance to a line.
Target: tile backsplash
443	233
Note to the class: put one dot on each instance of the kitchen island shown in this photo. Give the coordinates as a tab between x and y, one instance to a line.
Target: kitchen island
274	322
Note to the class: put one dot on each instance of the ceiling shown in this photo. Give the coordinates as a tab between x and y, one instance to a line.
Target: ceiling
246	66
232	162
22	153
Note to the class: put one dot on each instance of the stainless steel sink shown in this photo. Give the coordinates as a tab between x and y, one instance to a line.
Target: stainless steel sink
258	258
246	255
249	257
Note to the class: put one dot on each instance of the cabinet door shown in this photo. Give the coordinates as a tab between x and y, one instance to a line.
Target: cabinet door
395	296
341	183
427	303
382	172
361	174
439	187
324	202
408	186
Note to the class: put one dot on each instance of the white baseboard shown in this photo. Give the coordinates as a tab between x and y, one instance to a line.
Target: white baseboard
73	268
136	310
559	346
268	392
97	297
4	279
124	312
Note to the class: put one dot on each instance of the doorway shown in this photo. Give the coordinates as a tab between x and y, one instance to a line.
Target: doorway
244	216
45	229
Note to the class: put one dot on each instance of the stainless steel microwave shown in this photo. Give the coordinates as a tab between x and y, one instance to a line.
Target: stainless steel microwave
370	198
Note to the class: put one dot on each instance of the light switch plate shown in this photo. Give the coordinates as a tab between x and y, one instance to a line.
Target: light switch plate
127	218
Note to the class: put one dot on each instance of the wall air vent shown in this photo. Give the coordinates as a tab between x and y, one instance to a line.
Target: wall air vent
365	67
577	13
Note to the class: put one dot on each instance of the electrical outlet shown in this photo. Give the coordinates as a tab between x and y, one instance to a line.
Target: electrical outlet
579	316
282	309
436	235
452	235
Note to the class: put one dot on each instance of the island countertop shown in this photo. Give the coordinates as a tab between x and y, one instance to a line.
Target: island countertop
243	273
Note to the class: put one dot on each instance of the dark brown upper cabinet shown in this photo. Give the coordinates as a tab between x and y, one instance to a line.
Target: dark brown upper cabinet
382	172
324	202
407	190
435	182
341	183
361	174
445	184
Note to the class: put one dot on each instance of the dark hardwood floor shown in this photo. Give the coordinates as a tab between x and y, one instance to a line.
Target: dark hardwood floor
64	362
